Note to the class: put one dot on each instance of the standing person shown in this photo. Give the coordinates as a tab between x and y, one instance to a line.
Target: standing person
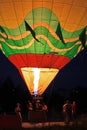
30	106
18	110
29	109
73	110
38	105
44	107
67	111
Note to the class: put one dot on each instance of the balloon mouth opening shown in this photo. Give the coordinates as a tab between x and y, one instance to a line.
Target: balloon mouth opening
38	79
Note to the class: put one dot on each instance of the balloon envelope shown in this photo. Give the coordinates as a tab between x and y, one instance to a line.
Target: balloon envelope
44	34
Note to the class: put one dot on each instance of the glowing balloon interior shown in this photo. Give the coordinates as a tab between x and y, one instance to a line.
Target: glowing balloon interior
41	37
38	78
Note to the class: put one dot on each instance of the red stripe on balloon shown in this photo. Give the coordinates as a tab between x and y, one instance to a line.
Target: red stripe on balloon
39	60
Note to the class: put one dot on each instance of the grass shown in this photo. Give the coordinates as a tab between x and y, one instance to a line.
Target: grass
79	124
52	128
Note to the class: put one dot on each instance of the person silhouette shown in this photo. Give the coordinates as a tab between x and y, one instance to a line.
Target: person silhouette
18	110
67	111
73	110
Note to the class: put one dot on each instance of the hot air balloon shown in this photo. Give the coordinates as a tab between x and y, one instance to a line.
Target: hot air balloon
41	36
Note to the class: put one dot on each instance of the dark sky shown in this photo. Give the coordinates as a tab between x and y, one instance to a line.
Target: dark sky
8	70
72	79
72	75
